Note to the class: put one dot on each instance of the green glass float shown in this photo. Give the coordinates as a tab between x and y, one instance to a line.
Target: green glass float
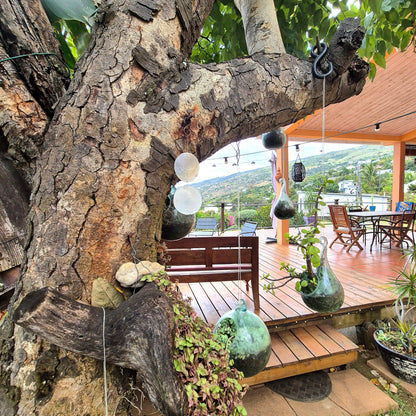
284	208
246	337
175	225
328	295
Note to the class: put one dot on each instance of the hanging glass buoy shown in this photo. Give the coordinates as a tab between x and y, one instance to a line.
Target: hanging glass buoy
274	139
186	167
298	170
187	199
175	225
328	296
247	338
284	208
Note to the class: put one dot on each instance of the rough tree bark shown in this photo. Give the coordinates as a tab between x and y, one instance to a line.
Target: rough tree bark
105	158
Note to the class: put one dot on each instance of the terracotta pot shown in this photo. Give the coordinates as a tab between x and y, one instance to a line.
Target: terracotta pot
400	365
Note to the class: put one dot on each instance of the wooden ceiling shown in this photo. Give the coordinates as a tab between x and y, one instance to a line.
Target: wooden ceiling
386	100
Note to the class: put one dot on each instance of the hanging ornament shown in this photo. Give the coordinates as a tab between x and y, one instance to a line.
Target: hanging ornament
274	139
284	208
187	200
186	167
175	225
246	337
328	296
298	169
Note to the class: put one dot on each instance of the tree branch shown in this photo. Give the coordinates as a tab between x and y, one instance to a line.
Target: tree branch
138	335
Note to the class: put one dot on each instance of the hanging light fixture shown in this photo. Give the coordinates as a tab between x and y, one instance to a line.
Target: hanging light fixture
298	169
377	127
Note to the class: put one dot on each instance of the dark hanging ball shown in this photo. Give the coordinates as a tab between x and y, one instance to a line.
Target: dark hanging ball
298	172
175	225
274	139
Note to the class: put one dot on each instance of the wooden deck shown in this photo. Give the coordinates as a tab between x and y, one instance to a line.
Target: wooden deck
362	274
303	340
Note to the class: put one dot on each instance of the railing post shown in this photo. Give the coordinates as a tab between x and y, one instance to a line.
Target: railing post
222	216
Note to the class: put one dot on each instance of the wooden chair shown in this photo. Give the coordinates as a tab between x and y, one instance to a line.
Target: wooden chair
248	229
205	227
346	233
397	229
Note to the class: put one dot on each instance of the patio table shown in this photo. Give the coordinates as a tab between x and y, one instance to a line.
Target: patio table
374	217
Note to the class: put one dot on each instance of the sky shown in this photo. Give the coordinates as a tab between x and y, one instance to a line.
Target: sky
252	150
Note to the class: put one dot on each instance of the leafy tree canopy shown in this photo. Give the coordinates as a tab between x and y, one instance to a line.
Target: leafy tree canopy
389	24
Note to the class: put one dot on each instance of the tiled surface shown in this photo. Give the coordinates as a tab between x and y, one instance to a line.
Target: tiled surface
350	396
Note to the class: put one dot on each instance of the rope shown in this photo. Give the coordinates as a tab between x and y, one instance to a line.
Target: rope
105	367
10	58
323	126
237	155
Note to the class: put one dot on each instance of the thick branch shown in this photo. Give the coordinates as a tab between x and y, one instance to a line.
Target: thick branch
138	335
261	27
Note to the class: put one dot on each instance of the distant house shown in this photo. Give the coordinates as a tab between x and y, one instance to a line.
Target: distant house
347	187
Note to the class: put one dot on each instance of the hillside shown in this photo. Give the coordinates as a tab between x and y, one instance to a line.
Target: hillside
256	185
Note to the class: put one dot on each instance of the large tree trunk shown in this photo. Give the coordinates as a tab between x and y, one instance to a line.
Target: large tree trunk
106	161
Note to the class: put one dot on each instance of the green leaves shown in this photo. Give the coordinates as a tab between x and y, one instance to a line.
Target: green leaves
80	10
202	363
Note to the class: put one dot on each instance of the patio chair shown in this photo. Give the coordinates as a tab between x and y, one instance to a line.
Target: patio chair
347	234
398	228
205	226
404	206
248	229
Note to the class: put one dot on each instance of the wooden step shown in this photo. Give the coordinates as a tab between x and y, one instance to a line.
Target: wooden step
304	350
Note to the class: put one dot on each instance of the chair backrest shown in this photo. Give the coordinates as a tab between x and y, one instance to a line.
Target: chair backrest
404	206
408	217
206	224
248	229
339	216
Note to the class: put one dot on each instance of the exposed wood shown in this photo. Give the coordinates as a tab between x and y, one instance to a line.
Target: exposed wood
301	351
138	335
14	202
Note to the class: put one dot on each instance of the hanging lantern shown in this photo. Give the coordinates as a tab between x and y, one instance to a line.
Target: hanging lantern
328	296
175	225
186	167
298	170
246	337
187	200
274	139
284	208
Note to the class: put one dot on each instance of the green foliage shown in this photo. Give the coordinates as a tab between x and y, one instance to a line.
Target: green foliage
211	384
263	216
247	215
401	333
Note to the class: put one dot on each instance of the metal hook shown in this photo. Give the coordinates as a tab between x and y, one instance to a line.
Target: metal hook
322	49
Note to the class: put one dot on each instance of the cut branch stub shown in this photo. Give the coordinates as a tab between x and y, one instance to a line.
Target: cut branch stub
138	335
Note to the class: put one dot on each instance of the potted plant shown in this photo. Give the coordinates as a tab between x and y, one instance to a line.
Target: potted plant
317	284
396	338
309	204
372	206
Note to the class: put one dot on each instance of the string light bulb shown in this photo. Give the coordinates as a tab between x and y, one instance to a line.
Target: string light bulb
377	127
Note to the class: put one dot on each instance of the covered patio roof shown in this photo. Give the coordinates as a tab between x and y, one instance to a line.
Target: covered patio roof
389	100
389	103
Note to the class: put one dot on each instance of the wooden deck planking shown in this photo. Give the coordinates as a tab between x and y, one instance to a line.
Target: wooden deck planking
361	273
302	350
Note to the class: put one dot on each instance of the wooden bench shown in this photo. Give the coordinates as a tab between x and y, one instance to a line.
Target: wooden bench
213	259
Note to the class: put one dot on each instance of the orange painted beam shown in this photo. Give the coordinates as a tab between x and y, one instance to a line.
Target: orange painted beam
338	136
398	173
